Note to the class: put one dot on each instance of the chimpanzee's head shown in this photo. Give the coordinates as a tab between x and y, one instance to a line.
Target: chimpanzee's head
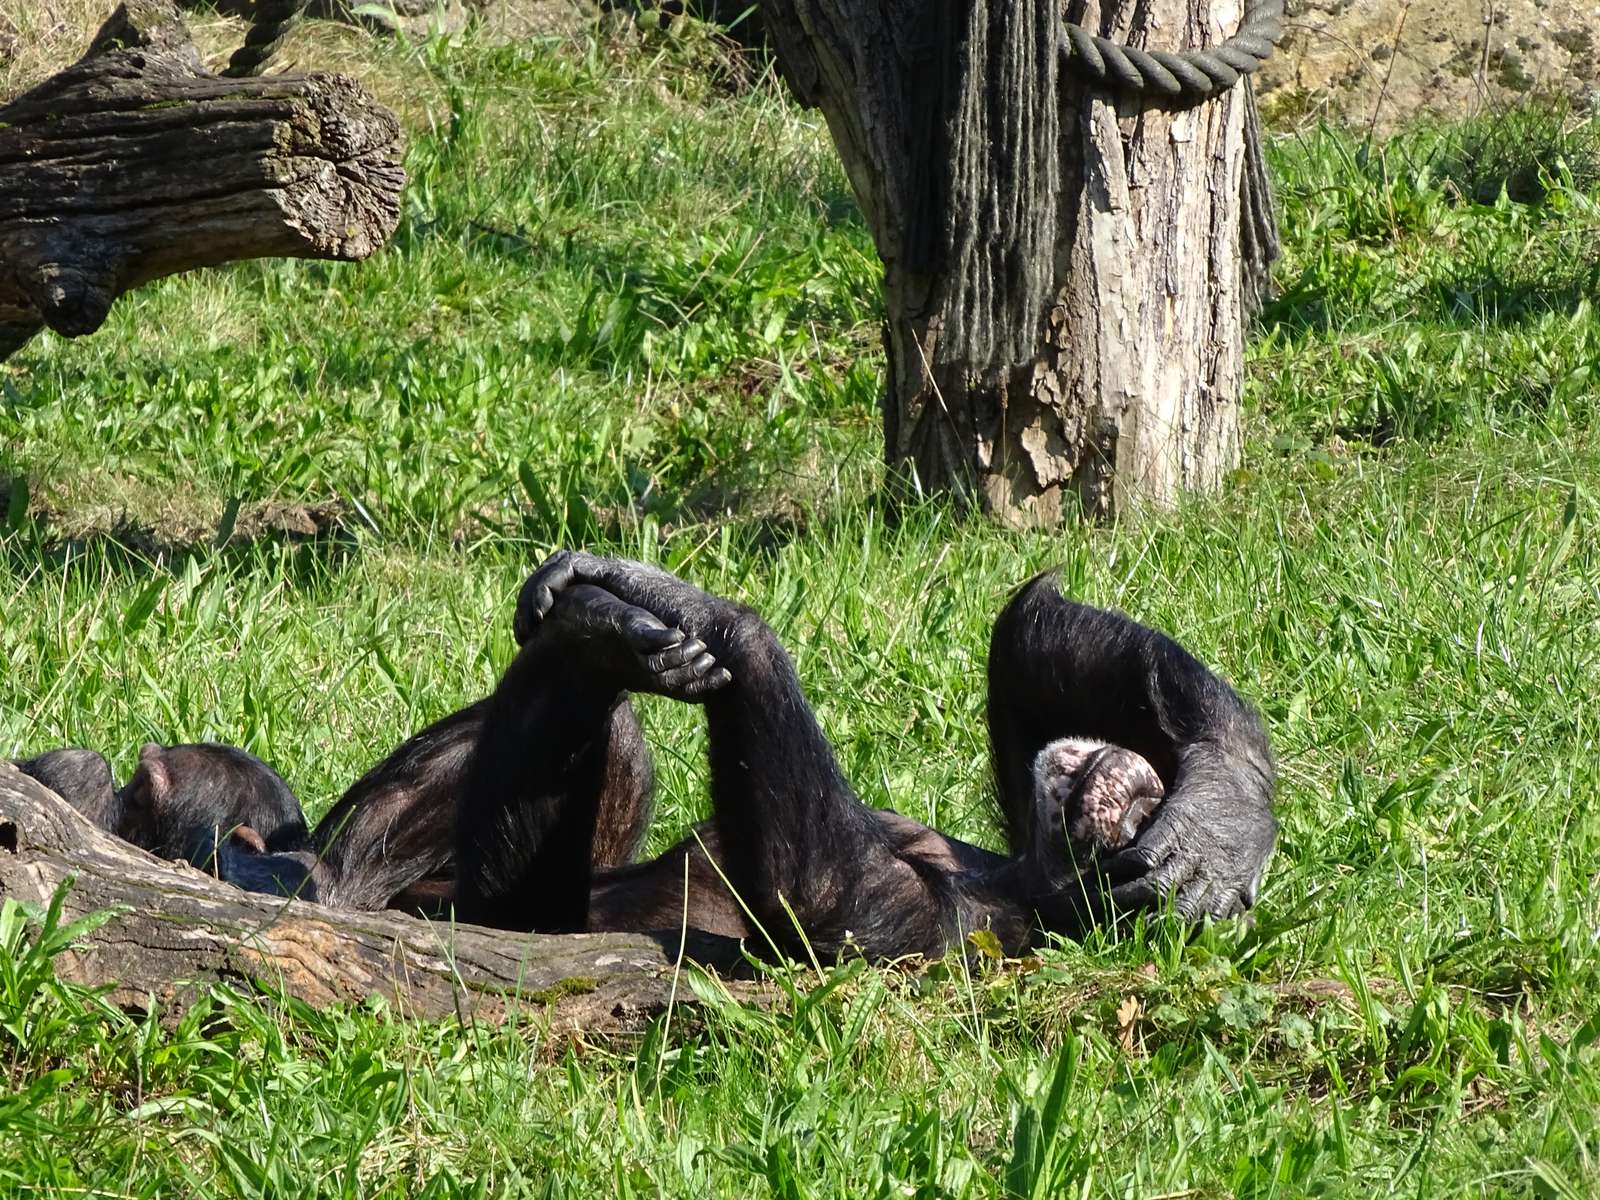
83	779
187	801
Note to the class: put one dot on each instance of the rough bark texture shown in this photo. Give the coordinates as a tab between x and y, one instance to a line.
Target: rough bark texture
178	930
1127	387
136	162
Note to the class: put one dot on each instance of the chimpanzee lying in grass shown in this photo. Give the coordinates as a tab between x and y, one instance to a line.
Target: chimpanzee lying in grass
1127	773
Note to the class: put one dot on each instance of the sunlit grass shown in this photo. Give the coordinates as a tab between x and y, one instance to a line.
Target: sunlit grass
288	506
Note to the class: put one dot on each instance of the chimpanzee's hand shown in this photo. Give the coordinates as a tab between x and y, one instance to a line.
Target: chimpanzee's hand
672	601
1208	852
644	654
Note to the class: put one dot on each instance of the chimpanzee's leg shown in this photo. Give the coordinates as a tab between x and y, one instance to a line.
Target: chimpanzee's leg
390	841
1058	669
557	749
794	834
627	793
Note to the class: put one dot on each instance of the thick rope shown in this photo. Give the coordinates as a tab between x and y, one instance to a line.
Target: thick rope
1187	75
1001	191
1259	246
268	27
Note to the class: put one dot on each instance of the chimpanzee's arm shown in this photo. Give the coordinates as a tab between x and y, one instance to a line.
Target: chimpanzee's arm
396	826
548	755
1057	668
793	832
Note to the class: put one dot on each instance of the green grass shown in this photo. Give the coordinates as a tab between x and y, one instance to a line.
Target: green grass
633	306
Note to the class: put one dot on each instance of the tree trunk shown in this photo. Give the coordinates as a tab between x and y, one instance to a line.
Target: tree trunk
1065	280
177	930
136	162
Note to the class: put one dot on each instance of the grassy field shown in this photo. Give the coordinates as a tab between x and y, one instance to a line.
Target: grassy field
631	304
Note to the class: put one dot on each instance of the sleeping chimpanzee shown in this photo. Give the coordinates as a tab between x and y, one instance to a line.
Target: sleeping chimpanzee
1102	731
788	834
225	811
219	807
389	842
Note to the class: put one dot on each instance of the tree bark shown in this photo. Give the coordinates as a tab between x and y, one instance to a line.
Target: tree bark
178	930
1116	383
136	163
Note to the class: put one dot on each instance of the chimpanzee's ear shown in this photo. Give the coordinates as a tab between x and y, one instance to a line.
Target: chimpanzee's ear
151	782
246	837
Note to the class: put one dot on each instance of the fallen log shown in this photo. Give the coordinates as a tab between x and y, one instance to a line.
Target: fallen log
177	931
136	163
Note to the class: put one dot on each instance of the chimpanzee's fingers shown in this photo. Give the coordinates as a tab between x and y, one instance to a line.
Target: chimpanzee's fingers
709	682
673	657
1152	889
589	608
697	668
1135	862
1157	843
583	567
555	573
528	614
538	593
641	584
1228	902
646	633
1193	898
693	680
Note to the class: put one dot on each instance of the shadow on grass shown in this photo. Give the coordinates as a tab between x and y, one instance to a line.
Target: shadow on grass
1483	296
311	541
1474	295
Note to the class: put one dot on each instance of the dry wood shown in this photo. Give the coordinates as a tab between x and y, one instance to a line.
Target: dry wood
178	930
1128	382
136	162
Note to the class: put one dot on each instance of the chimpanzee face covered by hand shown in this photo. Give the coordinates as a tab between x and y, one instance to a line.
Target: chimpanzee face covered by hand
1092	798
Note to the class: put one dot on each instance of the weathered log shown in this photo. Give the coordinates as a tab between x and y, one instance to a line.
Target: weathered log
136	162
177	930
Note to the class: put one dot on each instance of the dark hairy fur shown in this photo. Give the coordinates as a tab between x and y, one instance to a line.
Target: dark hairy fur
789	847
185	800
526	809
83	779
390	841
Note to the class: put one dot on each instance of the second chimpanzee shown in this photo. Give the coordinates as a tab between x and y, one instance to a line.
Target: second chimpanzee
183	801
789	847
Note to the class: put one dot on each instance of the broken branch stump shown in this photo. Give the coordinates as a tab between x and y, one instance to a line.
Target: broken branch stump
136	162
178	930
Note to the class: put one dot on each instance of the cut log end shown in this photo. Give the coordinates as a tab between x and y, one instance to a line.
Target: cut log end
344	197
136	163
